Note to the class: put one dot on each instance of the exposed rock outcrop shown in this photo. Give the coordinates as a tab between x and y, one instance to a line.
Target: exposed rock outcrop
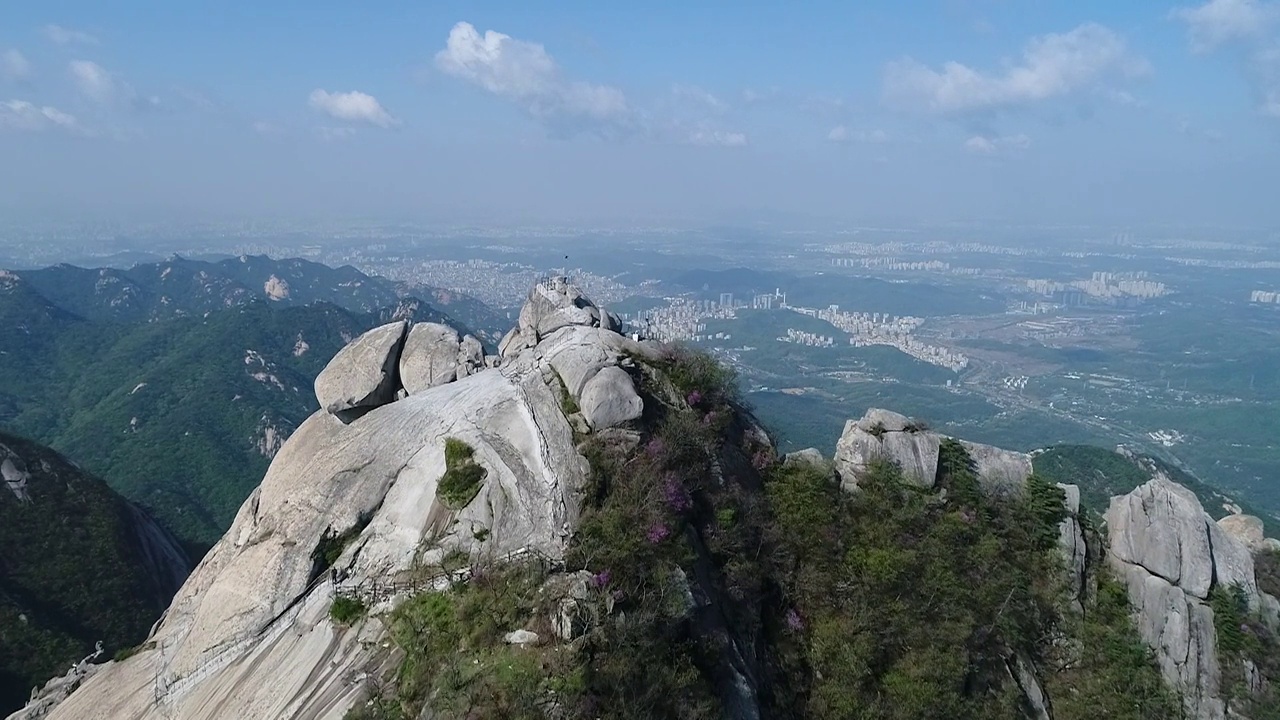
1170	554
258	600
1074	551
434	354
363	374
553	304
1250	531
886	435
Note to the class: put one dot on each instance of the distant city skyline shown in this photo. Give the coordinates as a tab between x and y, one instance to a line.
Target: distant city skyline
502	112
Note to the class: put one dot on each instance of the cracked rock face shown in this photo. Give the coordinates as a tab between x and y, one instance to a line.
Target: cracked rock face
1170	553
1072	544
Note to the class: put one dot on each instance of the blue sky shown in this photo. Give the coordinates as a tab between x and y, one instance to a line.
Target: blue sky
1020	111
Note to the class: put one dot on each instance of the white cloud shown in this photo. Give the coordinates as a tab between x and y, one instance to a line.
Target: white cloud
723	138
353	107
1221	21
1251	25
96	83
1051	66
524	73
14	66
697	96
983	145
841	133
59	35
22	115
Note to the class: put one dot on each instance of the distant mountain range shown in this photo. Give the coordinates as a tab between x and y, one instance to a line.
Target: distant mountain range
180	287
178	381
81	566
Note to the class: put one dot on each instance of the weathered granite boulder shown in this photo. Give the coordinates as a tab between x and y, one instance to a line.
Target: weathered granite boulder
886	435
434	354
587	362
999	470
1249	530
807	456
609	398
1170	553
1161	527
364	373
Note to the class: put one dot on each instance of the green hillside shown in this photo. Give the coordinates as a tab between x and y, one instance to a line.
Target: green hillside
80	567
1101	473
180	414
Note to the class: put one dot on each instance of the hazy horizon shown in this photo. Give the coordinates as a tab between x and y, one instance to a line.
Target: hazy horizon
1047	113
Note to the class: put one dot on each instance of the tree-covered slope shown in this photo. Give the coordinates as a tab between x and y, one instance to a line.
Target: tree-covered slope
180	414
81	566
1101	474
721	581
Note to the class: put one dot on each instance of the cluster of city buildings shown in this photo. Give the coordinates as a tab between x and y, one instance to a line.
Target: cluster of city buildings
684	320
1264	296
1104	285
867	329
800	337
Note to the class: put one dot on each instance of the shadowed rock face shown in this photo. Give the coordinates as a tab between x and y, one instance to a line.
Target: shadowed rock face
248	636
1170	553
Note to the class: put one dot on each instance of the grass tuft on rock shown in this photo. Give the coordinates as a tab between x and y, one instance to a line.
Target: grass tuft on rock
462	477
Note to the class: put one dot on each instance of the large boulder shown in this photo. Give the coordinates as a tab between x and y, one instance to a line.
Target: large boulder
586	362
609	398
434	355
1250	531
364	373
885	435
1170	553
1161	527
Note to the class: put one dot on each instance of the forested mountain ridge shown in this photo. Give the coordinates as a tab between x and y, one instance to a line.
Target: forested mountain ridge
82	566
181	413
183	287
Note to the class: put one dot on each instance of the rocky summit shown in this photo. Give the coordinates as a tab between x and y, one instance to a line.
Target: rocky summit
256	601
591	525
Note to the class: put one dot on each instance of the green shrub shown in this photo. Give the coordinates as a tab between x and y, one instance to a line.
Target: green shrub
1107	671
346	610
457	452
567	403
694	371
462	477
